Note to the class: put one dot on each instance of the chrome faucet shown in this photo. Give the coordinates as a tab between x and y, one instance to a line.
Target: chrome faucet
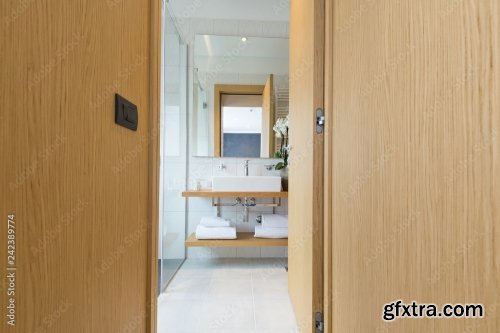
245	166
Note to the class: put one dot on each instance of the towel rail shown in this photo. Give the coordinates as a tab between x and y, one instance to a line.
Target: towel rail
216	202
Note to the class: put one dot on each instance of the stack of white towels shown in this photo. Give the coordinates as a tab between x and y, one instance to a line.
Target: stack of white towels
273	226
215	228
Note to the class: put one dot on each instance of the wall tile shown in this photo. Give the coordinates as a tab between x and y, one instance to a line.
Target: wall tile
248	252
252	78
230	167
223	252
226	27
202	253
201	205
202	26
250	28
274	29
273	252
172	237
247	226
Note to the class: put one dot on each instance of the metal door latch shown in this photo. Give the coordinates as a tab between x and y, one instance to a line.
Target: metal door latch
320	325
320	120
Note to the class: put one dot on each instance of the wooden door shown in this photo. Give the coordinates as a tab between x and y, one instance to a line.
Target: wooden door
413	161
76	182
305	203
268	138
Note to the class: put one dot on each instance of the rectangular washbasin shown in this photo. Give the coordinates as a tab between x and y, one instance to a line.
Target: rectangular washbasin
247	184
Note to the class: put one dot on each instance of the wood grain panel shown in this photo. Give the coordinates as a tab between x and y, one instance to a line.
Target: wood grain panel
268	135
414	161
77	182
305	246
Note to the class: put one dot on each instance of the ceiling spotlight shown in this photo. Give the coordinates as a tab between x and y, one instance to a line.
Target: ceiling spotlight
243	39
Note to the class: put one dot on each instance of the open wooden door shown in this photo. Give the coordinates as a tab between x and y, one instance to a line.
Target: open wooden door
268	141
413	162
74	184
305	205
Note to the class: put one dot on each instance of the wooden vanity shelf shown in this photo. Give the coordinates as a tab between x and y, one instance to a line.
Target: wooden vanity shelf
245	239
213	194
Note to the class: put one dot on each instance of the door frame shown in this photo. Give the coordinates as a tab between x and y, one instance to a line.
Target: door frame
319	181
156	9
323	20
307	53
329	293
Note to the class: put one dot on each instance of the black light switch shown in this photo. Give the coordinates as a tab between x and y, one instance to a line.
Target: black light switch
126	113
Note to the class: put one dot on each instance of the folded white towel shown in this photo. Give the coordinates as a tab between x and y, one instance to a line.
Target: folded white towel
209	221
274	221
215	232
261	232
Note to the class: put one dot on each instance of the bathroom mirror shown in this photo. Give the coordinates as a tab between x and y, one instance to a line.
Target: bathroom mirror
240	88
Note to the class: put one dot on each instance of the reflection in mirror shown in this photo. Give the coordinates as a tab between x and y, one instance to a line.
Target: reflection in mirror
241	125
240	88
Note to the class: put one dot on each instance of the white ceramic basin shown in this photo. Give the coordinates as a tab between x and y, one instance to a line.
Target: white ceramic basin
247	184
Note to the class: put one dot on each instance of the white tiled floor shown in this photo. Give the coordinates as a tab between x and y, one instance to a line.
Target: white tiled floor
226	296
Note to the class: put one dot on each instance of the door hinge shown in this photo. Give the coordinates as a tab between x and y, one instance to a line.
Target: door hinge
320	120
320	324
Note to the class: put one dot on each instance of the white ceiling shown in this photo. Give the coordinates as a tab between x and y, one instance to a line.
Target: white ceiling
228	54
251	10
260	47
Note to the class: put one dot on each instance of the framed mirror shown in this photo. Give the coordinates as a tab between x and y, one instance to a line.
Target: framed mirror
240	88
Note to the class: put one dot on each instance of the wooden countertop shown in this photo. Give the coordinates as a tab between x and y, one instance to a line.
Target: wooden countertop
245	239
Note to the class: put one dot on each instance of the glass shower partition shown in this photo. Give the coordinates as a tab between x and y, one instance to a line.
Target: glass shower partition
173	151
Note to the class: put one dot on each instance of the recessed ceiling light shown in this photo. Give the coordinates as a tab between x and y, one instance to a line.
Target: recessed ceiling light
243	39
